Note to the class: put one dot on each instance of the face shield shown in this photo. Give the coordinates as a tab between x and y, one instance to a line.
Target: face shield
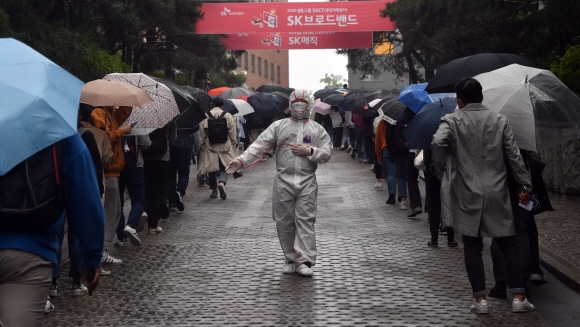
299	105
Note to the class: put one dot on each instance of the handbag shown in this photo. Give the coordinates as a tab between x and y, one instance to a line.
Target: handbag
419	162
541	201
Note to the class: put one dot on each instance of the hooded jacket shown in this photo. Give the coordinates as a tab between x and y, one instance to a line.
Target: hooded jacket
110	123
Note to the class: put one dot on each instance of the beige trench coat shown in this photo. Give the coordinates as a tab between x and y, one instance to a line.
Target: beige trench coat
469	149
211	154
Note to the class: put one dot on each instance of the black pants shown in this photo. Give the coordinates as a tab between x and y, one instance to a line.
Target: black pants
155	172
433	189
473	248
179	169
337	136
413	182
370	146
521	221
534	249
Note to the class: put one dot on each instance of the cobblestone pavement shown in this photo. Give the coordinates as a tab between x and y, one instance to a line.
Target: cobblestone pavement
219	263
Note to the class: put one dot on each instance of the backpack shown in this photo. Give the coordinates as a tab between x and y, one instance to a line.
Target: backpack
33	193
217	129
129	146
395	143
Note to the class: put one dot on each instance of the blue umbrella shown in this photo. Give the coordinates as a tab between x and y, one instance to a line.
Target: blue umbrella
414	96
40	102
265	104
420	130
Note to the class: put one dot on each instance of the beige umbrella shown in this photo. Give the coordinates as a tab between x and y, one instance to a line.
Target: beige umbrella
109	93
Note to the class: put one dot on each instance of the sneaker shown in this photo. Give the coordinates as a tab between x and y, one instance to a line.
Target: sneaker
342	148
289	268
121	243
156	230
107	258
105	272
498	291
378	186
349	149
213	194
304	270
538	278
414	212
452	244
53	291
78	290
48	308
360	160
141	223
404	205
481	307
519	306
391	199
433	244
172	207
222	189
176	200
132	235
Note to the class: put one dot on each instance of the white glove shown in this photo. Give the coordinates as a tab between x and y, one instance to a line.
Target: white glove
233	166
301	150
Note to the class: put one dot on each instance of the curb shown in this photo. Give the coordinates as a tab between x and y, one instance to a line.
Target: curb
565	272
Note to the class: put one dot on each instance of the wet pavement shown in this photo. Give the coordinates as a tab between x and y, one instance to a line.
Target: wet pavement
219	263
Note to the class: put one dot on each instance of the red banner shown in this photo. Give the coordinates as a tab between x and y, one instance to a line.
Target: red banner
273	17
298	40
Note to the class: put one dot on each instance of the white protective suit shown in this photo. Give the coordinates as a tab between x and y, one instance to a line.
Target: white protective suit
295	188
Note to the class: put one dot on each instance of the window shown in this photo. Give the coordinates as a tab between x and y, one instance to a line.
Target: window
266	68
253	64
245	60
259	66
278	73
239	61
272	70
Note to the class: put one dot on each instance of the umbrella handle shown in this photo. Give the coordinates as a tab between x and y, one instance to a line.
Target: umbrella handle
440	101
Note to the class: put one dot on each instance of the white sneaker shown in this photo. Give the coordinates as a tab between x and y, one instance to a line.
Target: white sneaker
404	205
77	290
304	270
132	235
53	291
120	243
378	186
156	230
142	221
105	272
107	258
222	190
519	306
481	307
289	268
48	307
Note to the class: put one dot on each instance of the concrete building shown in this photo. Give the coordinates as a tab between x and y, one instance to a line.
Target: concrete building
264	67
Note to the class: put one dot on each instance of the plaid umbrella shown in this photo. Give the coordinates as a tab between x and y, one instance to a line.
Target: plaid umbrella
156	113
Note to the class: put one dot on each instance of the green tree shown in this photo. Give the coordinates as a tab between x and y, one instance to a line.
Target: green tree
568	70
332	81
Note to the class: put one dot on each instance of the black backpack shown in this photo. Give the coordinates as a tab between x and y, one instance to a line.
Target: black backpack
217	129
33	193
129	145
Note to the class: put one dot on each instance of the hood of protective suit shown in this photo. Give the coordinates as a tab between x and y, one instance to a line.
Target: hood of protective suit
299	105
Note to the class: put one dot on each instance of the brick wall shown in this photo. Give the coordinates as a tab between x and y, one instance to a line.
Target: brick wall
256	77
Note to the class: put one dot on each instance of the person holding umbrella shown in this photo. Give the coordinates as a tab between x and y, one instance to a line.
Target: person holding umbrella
302	145
468	156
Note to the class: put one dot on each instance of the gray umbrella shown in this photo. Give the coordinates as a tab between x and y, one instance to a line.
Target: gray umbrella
541	110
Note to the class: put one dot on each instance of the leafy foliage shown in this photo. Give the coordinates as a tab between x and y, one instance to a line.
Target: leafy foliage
568	70
332	81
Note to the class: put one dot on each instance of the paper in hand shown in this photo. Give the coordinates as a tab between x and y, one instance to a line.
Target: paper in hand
527	206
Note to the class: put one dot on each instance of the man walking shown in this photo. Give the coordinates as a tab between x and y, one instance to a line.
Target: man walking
468	154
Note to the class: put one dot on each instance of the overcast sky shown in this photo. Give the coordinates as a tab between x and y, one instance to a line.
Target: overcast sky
307	67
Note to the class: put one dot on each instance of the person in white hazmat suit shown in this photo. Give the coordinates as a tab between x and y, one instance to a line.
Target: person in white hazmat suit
302	144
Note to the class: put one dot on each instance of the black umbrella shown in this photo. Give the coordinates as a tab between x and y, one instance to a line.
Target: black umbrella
265	104
420	130
391	106
235	93
333	99
324	92
357	104
452	72
284	97
268	88
191	113
201	97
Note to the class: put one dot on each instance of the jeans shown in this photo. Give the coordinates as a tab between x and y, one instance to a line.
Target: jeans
401	164
433	189
179	169
134	181
473	247
155	173
74	254
413	182
359	139
223	177
523	246
391	173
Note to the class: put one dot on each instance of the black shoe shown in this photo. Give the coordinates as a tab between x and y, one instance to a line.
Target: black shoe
452	244
391	199
414	212
179	204
213	194
498	291
433	244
